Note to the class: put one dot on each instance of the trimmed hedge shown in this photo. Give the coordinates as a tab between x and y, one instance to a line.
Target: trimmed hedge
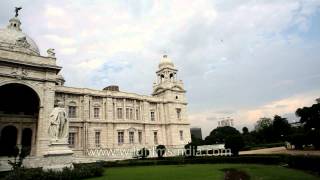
261	159
80	171
309	163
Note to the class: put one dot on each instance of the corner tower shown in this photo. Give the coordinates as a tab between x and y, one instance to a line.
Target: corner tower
171	90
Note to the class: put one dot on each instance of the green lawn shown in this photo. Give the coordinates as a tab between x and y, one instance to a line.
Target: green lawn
203	172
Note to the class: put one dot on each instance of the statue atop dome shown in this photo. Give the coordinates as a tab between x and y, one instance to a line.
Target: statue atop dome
17	9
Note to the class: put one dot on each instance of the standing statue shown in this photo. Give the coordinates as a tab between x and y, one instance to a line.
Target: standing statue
16	10
51	53
58	123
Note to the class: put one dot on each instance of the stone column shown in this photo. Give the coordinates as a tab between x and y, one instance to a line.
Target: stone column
46	107
124	110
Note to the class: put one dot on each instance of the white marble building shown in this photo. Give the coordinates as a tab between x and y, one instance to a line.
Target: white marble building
30	86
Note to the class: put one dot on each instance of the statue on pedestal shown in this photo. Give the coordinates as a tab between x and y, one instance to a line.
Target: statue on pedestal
58	123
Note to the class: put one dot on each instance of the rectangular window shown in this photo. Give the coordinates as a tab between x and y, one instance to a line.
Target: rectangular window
131	113
96	112
127	113
178	113
155	137
181	135
71	139
120	137
72	111
119	113
140	137
97	139
152	116
131	137
137	114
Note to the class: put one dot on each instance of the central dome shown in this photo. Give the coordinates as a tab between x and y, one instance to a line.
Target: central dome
13	39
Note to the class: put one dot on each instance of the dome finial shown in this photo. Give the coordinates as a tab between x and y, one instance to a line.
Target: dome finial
14	23
17	9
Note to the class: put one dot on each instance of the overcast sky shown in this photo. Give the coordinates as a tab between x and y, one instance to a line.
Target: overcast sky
241	59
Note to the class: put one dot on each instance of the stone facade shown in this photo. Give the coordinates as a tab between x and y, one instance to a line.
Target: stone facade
103	119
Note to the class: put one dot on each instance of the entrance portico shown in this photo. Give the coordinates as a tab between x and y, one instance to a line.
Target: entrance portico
19	110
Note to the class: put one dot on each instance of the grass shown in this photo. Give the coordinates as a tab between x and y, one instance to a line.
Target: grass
203	172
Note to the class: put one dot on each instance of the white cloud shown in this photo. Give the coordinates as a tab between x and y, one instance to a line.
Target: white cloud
242	56
68	51
59	40
58	18
90	65
208	120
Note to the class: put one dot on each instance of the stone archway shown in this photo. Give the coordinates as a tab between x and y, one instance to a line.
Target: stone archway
19	107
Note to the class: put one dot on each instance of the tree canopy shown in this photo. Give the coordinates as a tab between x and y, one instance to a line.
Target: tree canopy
220	134
310	116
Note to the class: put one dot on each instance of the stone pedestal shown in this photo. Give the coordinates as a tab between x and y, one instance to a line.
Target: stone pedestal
59	149
58	156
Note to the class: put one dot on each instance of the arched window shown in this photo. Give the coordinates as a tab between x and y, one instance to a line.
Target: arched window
171	76
162	77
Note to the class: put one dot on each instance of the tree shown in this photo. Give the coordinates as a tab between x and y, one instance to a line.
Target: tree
298	140
19	156
281	127
245	130
310	116
235	143
264	130
263	123
161	150
220	134
312	137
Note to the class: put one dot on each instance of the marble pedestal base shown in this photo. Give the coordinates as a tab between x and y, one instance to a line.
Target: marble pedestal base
58	156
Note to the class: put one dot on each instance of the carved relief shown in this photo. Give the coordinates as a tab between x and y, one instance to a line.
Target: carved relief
19	73
22	42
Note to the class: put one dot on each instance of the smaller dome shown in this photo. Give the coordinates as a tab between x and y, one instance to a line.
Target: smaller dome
165	62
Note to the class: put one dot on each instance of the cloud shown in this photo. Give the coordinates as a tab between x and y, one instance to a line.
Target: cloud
286	107
91	64
59	40
58	18
243	59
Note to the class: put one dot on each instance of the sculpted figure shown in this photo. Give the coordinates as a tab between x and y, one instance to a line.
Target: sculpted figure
58	123
16	10
51	53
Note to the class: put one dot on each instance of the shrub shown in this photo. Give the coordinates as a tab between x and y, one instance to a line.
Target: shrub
80	171
161	150
310	163
143	153
235	143
298	140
